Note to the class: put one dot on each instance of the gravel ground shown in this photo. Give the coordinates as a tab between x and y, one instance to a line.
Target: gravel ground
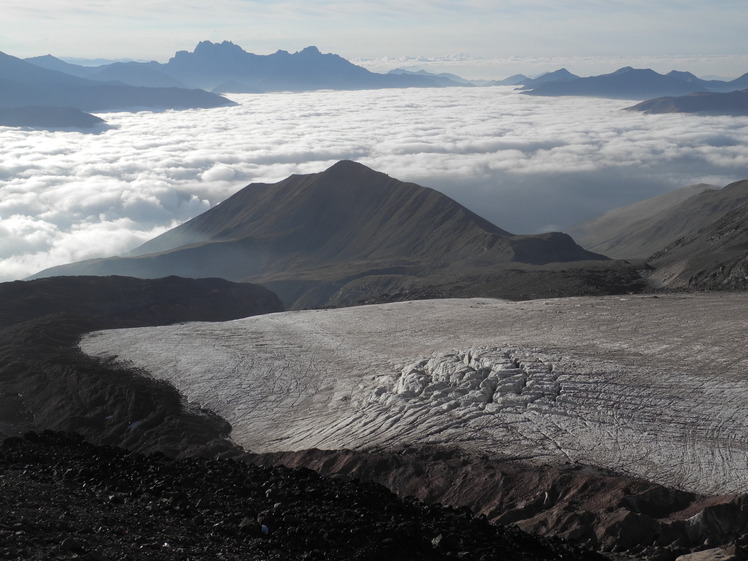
64	499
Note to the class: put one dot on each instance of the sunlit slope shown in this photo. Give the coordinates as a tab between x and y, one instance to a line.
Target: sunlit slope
637	230
653	386
712	257
646	227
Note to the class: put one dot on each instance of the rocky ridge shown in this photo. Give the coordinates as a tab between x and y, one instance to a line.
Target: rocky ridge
344	235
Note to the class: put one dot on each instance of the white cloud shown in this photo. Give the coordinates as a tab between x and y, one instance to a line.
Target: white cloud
525	163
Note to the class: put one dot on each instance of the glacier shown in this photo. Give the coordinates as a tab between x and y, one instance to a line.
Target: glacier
647	385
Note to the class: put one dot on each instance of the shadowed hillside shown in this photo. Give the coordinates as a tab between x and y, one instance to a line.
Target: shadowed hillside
729	103
25	84
640	229
714	257
46	383
313	238
694	242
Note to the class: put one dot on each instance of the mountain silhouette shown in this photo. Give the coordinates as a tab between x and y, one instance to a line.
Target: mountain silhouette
634	83
443	78
561	75
25	84
311	236
625	83
47	117
226	67
730	103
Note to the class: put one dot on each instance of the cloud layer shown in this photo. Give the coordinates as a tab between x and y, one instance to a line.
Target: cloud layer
525	163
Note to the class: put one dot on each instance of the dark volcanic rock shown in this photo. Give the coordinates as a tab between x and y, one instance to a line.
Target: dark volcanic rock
309	236
605	510
62	498
46	382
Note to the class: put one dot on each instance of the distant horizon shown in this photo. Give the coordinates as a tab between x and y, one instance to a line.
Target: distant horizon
476	68
488	40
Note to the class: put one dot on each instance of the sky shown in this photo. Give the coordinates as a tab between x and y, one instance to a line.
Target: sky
477	38
526	163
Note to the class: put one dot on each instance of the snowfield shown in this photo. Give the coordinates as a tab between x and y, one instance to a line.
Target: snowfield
654	386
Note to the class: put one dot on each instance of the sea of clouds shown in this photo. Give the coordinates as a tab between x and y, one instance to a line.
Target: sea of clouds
526	163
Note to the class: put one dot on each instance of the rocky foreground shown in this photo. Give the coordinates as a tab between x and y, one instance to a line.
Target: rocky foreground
616	422
684	353
61	498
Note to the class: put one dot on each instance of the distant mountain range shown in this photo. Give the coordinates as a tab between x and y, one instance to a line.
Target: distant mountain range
451	80
631	83
557	76
730	103
227	68
335	237
25	86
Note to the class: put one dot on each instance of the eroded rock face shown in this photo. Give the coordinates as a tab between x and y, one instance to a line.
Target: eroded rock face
46	383
602	509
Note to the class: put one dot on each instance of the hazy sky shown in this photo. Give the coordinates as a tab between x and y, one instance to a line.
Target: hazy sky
488	36
526	163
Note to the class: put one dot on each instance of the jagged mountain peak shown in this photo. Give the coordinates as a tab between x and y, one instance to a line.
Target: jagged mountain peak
222	47
310	50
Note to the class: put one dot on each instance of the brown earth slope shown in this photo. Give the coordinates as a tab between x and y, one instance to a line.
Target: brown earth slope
712	258
644	228
638	230
309	236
